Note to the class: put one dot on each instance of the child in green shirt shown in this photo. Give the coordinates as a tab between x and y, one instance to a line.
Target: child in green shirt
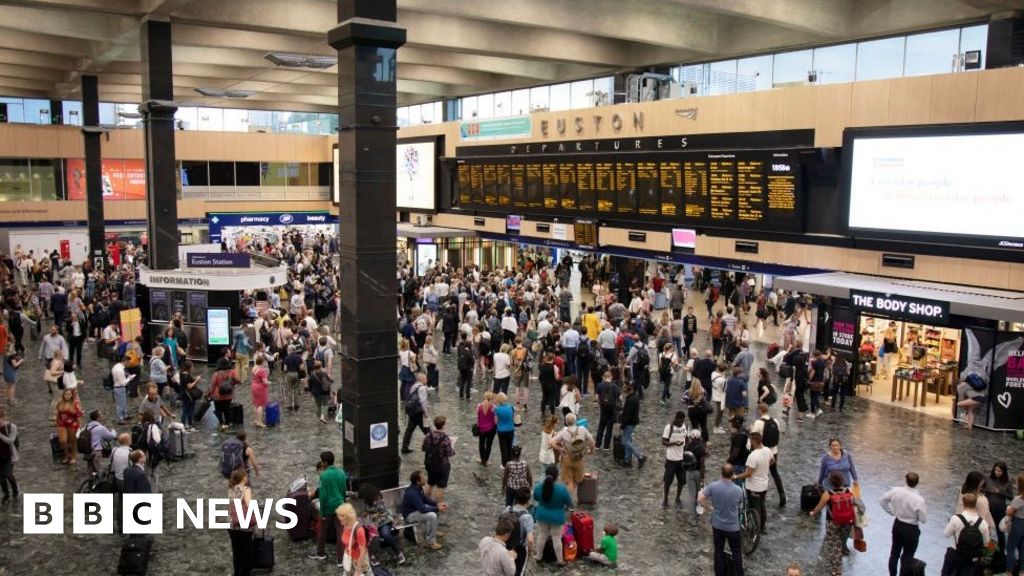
607	552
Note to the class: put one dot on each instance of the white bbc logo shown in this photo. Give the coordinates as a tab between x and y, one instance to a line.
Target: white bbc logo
93	514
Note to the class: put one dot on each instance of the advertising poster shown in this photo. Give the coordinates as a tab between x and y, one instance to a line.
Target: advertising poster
426	257
122	179
844	331
976	350
197	307
218	327
197	349
179	303
1007	385
131	324
159	306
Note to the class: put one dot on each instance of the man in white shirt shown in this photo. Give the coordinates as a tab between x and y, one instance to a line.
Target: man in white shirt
965	561
570	342
674	441
121	380
543	328
907	506
768	428
757	475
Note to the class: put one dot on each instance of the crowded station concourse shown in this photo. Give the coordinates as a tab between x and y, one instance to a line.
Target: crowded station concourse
694	290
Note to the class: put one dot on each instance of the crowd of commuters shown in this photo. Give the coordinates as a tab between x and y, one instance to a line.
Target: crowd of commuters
594	353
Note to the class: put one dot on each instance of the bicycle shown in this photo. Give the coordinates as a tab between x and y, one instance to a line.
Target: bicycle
750	523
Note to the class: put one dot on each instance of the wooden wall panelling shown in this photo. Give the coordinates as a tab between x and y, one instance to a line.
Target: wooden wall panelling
860	261
870	103
799	111
1016	276
910	100
766	109
1000	95
707	246
832	109
986	272
954	98
656	241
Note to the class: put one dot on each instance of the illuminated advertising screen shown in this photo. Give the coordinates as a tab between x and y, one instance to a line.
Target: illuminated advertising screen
218	327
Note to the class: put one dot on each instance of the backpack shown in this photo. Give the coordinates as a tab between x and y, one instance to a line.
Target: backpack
970	544
577	446
840	370
224	387
643	358
84	440
665	367
137	435
412	404
517	538
232	457
716	328
840	505
715	292
433	448
465	357
770	433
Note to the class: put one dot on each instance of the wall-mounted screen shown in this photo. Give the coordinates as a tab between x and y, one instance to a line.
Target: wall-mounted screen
684	238
335	184
513	224
218	327
415	180
957	181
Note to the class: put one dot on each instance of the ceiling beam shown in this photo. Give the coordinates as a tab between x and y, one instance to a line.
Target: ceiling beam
65	24
37	59
826	18
21	40
118	7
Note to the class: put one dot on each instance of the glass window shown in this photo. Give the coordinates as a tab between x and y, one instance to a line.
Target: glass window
247	173
45	182
15	109
604	91
469	109
415	117
791	68
427	113
402	116
324	173
722	77
974	38
580	96
108	114
328	123
502	104
835	64
222	173
187	118
273	173
560	97
298	174
754	73
236	120
880	59
438	111
194	173
485	106
539	98
520	102
693	76
15	183
37	111
931	52
211	119
128	115
72	113
261	120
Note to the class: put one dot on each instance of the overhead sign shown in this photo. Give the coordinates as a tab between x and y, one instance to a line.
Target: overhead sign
218	260
515	127
919	309
214	280
218	220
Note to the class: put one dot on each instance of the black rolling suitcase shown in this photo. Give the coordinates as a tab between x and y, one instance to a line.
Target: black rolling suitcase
303	510
913	568
202	407
134	560
263	552
618	449
236	414
810	494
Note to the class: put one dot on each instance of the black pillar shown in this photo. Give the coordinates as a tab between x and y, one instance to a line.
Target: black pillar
158	124
93	168
367	40
56	112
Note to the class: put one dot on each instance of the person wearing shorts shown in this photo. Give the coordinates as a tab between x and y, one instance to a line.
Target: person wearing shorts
438	449
573	465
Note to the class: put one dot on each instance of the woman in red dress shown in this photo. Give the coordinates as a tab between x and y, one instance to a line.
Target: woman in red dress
68	417
260	388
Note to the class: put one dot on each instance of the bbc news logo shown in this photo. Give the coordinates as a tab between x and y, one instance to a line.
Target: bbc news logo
144	513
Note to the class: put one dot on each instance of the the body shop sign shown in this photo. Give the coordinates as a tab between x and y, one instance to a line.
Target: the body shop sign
908	308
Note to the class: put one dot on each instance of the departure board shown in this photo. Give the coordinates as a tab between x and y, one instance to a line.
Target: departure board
585	187
729	189
534	186
504	184
671	187
604	183
465	186
722	187
476	183
550	179
625	187
695	186
585	233
648	200
750	191
490	184
567	180
518	185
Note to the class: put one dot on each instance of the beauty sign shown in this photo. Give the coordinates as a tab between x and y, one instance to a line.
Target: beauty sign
903	307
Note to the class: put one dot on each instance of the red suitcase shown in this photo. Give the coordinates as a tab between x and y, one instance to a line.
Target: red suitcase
583	530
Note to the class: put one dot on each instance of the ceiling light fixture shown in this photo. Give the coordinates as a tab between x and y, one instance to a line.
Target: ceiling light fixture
219	93
291	60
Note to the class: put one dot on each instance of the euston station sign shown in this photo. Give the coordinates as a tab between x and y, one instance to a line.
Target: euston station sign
903	307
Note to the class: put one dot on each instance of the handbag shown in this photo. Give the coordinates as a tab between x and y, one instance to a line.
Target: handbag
1004	524
517	419
346	561
475	430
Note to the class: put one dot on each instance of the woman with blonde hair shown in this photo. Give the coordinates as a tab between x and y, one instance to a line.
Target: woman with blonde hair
241	537
698	408
356	561
487	426
430	359
68	416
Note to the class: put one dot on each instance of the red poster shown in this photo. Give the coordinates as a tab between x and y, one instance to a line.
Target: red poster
122	179
65	250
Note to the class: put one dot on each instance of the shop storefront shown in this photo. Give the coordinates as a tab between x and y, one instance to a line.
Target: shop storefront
939	349
240	229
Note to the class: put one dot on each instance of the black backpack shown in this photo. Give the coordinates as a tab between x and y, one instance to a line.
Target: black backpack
413	406
665	367
643	357
970	544
609	399
770	433
517	537
465	357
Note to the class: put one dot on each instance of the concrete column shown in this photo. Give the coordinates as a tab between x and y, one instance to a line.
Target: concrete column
158	124
367	39
93	169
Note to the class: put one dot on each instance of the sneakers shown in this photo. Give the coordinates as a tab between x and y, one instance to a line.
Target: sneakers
662	402
434	546
314	555
719	430
819	412
810	416
641	461
401	558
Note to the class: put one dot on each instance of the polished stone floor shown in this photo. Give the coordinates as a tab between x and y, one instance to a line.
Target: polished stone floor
885	441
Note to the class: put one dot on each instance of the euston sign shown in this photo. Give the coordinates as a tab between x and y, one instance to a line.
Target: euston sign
900	306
